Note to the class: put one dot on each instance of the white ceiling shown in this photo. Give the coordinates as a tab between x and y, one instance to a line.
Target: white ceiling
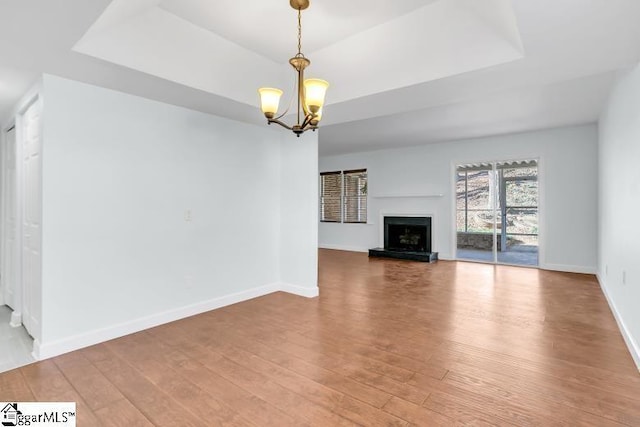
269	27
402	73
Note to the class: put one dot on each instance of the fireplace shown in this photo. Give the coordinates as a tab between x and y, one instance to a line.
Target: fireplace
406	237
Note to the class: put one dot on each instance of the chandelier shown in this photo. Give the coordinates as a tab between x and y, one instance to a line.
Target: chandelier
311	92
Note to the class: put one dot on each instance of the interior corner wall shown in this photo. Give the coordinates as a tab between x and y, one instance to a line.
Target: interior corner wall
568	198
619	204
299	216
153	212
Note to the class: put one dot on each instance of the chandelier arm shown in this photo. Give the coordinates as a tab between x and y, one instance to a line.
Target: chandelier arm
301	93
290	103
307	121
281	115
285	111
284	125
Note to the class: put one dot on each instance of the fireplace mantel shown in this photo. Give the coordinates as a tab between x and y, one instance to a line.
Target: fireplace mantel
407	196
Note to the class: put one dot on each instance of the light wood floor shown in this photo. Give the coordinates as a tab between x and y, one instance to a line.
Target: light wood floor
386	343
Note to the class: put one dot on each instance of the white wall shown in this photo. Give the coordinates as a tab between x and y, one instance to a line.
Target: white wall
299	221
568	198
619	206
120	173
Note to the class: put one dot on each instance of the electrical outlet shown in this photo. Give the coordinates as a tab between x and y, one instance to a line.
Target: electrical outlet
606	270
187	215
624	277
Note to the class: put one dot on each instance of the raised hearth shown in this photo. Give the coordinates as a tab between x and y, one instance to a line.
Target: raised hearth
412	256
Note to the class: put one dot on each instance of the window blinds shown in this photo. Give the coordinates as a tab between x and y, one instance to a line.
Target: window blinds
355	196
330	196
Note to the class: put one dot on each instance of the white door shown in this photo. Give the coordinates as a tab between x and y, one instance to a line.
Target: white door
31	216
9	248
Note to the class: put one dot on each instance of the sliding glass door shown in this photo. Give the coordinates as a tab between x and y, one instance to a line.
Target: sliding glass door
476	199
497	212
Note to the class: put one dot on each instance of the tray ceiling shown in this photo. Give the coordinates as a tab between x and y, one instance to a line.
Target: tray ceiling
362	47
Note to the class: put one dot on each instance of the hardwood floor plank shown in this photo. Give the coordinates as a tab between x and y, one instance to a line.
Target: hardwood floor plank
416	414
452	352
249	351
342	359
48	384
344	354
536	407
487	401
344	405
153	403
378	334
275	394
452	408
606	405
89	382
623	407
144	353
121	413
510	412
251	407
317	371
14	387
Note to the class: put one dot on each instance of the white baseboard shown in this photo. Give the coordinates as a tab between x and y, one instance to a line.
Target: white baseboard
47	350
300	290
569	268
632	345
35	353
16	319
343	248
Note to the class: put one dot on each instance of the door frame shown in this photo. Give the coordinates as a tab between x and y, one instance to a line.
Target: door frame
541	208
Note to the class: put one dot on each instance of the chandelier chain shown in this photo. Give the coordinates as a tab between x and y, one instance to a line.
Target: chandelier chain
300	33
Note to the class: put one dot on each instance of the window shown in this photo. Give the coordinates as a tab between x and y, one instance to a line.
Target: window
343	196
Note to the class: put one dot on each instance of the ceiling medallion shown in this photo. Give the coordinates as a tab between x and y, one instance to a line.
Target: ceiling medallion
311	92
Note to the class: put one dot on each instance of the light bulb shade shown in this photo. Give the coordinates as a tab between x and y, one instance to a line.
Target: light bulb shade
317	118
314	93
269	100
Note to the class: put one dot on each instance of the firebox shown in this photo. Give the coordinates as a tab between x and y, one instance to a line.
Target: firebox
411	234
